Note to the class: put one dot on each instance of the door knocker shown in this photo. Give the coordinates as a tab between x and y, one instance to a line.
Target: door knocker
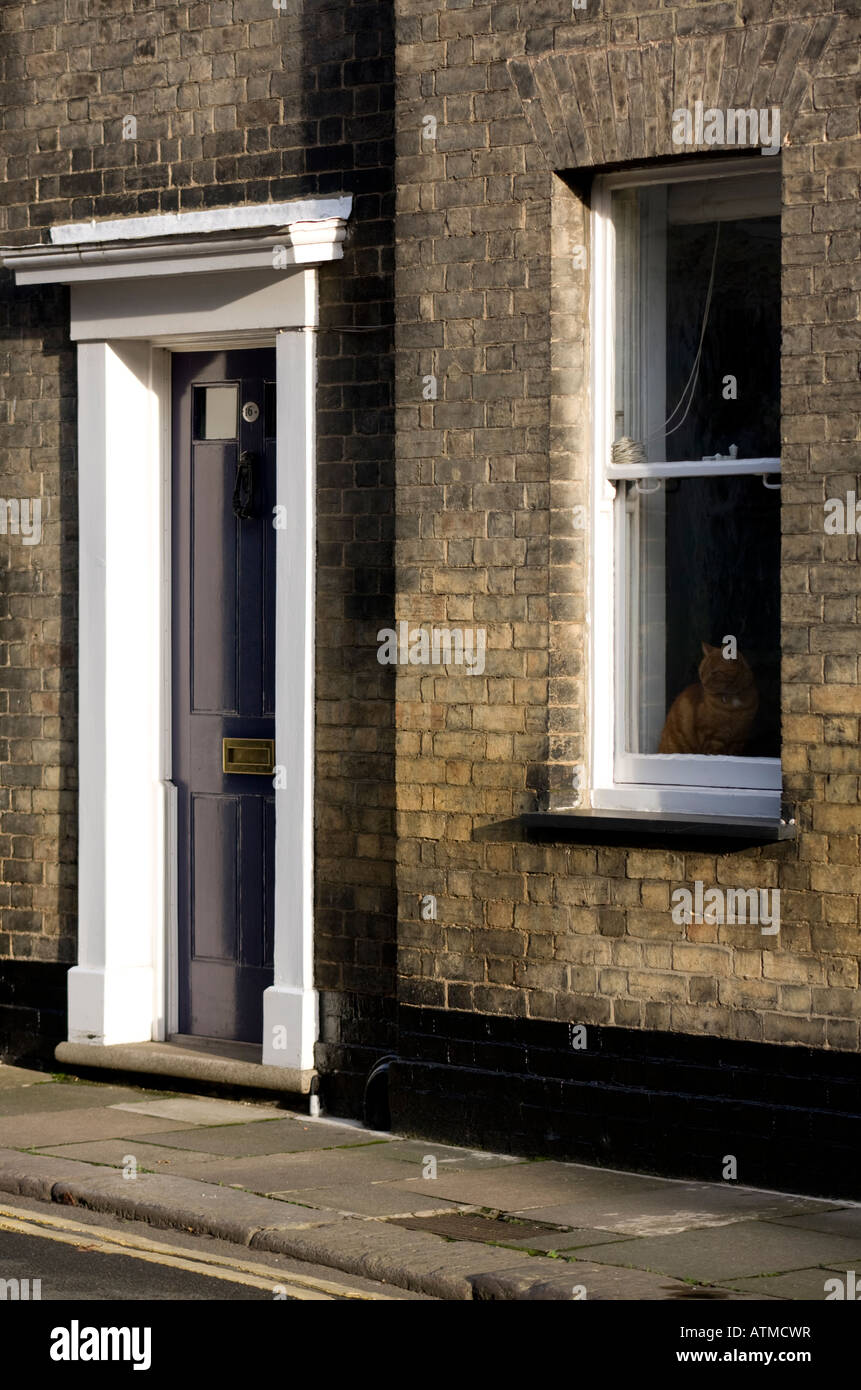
243	487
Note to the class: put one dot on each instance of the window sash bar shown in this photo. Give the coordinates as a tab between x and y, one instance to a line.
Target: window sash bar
693	468
698	770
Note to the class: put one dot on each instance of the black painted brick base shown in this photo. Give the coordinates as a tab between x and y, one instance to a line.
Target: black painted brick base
664	1103
32	1011
356	1030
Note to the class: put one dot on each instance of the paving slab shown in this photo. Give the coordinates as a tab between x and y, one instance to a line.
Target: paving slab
520	1235
53	1096
797	1284
320	1168
449	1158
367	1199
183	1203
10	1077
533	1184
671	1208
719	1253
197	1111
66	1126
845	1221
114	1153
264	1137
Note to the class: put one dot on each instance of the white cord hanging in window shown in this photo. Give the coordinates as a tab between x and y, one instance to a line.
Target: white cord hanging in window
690	384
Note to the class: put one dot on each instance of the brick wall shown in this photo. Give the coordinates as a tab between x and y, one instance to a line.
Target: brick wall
234	102
37	622
488	476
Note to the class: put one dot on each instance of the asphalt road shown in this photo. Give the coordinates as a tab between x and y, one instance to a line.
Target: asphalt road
79	1255
82	1272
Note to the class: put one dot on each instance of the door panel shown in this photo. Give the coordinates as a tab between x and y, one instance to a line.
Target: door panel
213	581
215	886
223	686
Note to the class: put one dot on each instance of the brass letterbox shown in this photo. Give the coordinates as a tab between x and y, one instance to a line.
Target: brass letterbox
251	756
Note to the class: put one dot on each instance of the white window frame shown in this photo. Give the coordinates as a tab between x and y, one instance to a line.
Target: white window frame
621	780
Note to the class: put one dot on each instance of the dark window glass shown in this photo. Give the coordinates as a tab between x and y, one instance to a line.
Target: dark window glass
742	337
269	416
704	559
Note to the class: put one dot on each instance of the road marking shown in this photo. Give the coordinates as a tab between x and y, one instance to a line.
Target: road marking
109	1242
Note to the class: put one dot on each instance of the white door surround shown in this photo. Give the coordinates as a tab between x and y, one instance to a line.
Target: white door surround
140	288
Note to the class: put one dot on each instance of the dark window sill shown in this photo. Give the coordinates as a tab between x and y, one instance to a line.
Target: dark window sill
654	827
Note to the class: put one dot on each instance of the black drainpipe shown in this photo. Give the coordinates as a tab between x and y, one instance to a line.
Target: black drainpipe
375	1102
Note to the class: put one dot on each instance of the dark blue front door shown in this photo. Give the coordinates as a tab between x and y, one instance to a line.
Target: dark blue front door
223	586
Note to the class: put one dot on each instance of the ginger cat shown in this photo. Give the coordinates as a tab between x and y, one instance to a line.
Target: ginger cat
715	716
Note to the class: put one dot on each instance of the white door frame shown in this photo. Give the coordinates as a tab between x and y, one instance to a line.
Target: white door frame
140	289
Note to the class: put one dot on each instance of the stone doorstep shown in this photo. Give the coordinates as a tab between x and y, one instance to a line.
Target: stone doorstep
414	1260
198	1062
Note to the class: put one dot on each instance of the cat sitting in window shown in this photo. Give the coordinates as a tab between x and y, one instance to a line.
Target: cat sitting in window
715	716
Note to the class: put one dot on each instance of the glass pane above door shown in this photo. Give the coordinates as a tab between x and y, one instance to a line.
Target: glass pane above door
216	412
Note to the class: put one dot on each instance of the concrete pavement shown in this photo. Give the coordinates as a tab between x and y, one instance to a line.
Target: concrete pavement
438	1221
